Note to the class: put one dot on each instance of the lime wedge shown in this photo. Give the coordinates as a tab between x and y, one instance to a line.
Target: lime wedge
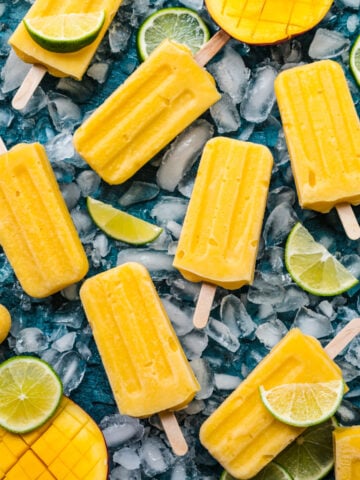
179	24
312	267
310	456
272	471
65	33
303	404
120	225
30	392
355	59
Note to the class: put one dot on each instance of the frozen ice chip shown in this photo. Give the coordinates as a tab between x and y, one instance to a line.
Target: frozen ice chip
83	223
119	35
13	72
71	194
313	323
234	315
351	3
169	208
121	473
259	98
184	290
205	377
139	192
225	115
31	340
353	353
279	195
65	342
71	369
98	71
79	92
120	430
279	223
128	458
60	147
195	5
89	182
270	333
264	292
155	457
222	335
100	250
194	343
328	44
6	117
64	113
353	22
293	300
224	381
182	154
158	263
231	74
179	314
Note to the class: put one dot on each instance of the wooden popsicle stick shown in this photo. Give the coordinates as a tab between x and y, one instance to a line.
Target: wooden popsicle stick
173	433
203	305
343	338
211	48
28	87
348	220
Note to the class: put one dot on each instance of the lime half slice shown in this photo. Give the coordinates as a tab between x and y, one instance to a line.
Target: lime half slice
272	471
312	267
355	60
303	404
30	392
182	25
120	225
65	33
310	456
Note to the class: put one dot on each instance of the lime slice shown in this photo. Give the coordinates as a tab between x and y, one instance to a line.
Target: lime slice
312	267
355	59
310	456
303	404
179	24
120	225
272	471
30	392
67	32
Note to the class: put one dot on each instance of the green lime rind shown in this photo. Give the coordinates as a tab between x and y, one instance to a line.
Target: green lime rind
272	471
355	60
303	405
311	455
179	24
121	225
30	393
61	44
313	268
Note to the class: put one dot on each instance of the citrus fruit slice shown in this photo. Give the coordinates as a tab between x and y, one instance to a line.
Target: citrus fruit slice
182	25
313	267
30	392
355	59
303	404
65	33
121	225
310	456
272	471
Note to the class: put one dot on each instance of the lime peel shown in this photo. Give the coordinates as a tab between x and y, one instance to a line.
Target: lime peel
179	24
30	392
65	33
121	225
355	59
303	404
272	471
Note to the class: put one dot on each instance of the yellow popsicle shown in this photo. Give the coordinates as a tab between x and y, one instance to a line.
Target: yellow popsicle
142	356
36	229
322	132
347	452
267	21
220	236
157	102
62	64
241	434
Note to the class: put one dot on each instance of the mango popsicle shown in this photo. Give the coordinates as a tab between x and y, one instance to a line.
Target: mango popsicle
142	356
220	236
241	434
347	452
322	131
36	230
159	100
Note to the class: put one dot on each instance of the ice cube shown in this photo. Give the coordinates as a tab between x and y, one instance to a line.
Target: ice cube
155	457
222	335
120	430
328	44
179	314
225	115
31	340
139	192
205	377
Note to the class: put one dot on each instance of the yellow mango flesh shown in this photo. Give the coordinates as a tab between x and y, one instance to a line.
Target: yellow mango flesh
267	21
347	452
69	446
5	323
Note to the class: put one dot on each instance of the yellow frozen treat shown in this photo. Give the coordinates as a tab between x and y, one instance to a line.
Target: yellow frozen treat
162	97
62	64
347	452
5	322
267	21
145	364
36	230
322	131
220	236
241	434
